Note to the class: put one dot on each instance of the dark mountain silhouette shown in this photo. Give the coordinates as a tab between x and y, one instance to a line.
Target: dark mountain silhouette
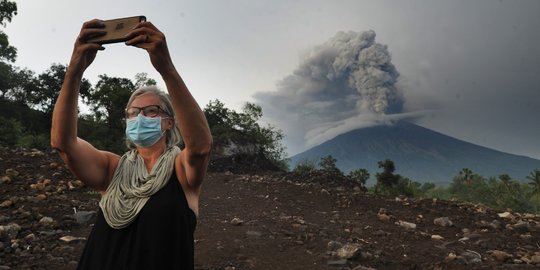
419	153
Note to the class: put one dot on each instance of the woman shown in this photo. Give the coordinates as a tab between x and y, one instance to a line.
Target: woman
150	195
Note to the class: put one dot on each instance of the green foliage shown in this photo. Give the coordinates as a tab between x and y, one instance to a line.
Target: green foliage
43	91
305	166
328	164
498	193
360	176
240	133
535	182
387	180
40	141
141	79
10	131
8	9
108	99
18	85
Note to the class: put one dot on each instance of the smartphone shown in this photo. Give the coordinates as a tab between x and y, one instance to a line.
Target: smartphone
117	29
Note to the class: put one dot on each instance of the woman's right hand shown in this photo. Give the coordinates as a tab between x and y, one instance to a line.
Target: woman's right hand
84	53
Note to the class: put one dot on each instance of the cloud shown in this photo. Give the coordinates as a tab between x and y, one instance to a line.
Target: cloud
346	83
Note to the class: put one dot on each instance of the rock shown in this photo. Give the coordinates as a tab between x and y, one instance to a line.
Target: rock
443	221
30	237
406	225
521	226
9	231
236	221
46	221
69	238
12	172
535	259
500	256
495	224
41	197
361	267
437	237
380	233
253	234
471	256
450	257
334	245
6	179
383	217
84	217
529	216
6	204
506	215
489	225
349	251
75	184
337	263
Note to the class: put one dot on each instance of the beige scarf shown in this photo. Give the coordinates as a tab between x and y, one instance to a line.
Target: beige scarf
132	186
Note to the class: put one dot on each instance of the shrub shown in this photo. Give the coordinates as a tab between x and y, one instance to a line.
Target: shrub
305	166
10	131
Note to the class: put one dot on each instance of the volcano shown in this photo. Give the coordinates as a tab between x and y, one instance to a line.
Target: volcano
419	153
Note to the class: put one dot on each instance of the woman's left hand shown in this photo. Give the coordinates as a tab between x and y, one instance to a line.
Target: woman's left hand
146	36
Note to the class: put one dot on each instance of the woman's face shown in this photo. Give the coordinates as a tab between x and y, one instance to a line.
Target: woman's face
151	99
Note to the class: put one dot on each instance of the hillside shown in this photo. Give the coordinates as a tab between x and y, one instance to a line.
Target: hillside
420	154
268	221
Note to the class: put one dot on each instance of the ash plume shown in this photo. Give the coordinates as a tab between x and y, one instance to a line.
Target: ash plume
345	83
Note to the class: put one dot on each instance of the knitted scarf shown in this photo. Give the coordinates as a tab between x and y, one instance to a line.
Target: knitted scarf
132	186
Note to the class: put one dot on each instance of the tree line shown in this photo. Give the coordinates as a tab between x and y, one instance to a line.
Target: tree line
498	192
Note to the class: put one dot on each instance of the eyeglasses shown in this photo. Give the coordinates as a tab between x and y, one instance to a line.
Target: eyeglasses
148	111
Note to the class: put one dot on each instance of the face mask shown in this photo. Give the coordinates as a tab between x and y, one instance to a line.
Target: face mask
144	131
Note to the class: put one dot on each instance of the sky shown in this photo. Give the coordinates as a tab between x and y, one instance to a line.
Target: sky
468	69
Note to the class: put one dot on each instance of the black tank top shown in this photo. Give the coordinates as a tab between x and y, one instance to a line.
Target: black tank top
160	237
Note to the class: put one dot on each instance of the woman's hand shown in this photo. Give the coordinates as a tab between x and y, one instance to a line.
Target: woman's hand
146	36
84	53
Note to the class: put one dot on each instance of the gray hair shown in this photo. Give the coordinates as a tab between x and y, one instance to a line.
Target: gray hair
172	136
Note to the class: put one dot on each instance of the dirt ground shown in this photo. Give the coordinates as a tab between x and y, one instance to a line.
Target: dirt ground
268	221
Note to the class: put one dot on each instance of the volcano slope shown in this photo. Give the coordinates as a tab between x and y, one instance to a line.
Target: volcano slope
268	221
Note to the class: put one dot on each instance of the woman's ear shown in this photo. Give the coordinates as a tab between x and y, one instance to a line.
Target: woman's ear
170	123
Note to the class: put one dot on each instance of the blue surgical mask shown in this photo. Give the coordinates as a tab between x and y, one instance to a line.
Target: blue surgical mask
144	131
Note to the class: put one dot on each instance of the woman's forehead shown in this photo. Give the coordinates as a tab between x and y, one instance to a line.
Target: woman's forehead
145	100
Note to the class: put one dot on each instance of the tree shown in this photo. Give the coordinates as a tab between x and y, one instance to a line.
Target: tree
535	182
141	79
8	9
108	101
8	53
466	176
43	91
16	84
328	164
386	179
240	133
360	176
305	166
505	179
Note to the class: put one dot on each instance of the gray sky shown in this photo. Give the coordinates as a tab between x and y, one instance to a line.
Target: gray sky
469	69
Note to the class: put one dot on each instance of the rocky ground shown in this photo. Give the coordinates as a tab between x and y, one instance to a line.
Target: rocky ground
270	221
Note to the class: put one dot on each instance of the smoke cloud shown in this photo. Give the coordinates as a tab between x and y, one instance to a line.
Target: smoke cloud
346	83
